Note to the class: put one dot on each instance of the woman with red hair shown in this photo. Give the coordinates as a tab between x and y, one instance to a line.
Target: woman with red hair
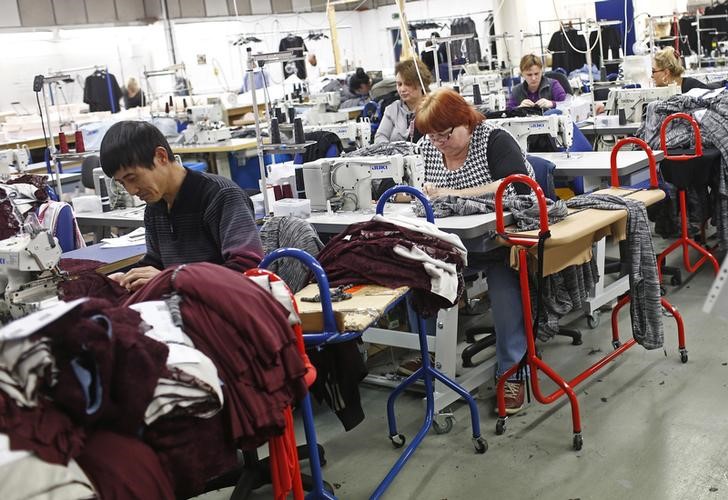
466	156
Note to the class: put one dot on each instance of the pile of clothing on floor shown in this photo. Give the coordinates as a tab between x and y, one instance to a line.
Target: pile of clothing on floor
149	399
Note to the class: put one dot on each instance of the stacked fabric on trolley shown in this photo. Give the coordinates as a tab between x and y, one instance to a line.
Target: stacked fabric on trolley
125	401
397	252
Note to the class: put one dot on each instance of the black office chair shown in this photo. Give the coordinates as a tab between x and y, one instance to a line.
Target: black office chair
543	169
562	79
87	170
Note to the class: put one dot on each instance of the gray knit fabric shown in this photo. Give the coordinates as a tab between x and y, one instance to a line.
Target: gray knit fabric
385	149
523	207
679	133
290	232
645	306
564	292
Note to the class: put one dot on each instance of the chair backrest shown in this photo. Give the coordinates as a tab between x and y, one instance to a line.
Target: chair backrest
290	232
87	170
562	79
579	141
544	170
58	217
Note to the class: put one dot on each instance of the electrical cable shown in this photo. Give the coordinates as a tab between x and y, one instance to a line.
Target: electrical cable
42	123
561	25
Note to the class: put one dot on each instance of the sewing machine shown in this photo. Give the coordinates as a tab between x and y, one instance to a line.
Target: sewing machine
359	132
559	127
323	109
491	102
325	101
206	125
488	82
29	272
633	101
348	181
18	158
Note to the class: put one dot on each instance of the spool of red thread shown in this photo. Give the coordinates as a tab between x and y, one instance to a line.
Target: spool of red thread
80	147
62	142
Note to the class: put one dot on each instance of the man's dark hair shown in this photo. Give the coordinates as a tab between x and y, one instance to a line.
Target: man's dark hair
131	144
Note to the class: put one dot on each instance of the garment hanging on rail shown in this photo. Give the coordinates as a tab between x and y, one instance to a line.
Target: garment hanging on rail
564	55
464	26
96	92
297	67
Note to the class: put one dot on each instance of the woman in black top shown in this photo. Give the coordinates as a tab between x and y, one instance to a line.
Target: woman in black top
467	156
667	69
132	94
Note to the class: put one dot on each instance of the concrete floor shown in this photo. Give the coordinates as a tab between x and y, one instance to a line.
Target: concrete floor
653	428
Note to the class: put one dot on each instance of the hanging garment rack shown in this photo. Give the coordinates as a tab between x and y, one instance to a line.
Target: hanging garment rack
561	22
55	76
167	71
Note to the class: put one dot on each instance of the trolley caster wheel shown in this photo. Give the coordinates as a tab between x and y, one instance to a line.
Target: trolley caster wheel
578	442
592	320
616	344
684	356
676	281
445	427
500	426
481	445
398	440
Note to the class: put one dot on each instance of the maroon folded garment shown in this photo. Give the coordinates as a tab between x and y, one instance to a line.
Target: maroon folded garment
122	361
364	253
44	430
123	468
192	450
246	333
86	282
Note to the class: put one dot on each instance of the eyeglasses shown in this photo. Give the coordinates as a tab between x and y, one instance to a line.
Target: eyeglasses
441	136
656	70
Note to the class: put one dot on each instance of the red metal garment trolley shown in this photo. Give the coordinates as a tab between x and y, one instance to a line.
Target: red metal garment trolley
684	240
532	361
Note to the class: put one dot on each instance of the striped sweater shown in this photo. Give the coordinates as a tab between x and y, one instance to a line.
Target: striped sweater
210	221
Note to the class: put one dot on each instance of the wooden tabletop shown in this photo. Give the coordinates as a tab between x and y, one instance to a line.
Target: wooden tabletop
220	147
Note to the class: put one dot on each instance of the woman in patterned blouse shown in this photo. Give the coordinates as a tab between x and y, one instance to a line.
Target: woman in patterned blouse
466	156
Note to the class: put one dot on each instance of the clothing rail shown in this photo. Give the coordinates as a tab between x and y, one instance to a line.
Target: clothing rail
570	20
96	67
698	17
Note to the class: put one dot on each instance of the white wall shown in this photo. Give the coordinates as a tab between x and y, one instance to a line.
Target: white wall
364	40
33	53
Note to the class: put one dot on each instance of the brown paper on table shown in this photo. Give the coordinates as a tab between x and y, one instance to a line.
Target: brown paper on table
572	238
367	304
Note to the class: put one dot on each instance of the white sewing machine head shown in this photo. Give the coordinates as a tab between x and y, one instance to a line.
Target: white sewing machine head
205	112
325	101
633	101
28	270
559	127
348	181
18	158
488	82
359	132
